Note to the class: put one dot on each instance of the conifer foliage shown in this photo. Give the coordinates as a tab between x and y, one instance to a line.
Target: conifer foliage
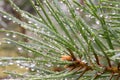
72	40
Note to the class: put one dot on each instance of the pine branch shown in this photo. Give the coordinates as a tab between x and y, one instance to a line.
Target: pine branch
67	43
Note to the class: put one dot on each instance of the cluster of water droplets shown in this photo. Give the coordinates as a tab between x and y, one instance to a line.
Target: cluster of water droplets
8	18
19	63
29	66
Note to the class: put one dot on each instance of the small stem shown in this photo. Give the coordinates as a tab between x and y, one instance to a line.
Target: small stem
96	57
109	63
72	54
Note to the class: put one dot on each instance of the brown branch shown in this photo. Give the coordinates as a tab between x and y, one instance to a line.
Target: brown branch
71	54
22	30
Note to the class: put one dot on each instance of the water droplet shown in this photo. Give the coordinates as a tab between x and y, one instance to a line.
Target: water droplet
14	36
14	8
97	22
36	24
33	2
68	11
5	16
27	68
38	27
106	17
109	24
77	8
82	28
32	65
40	19
9	19
1	63
48	65
116	5
38	70
111	4
84	61
44	1
92	17
81	10
13	21
61	2
100	35
18	64
101	15
19	48
7	34
113	13
18	61
30	51
8	42
29	22
88	15
32	69
30	54
21	66
65	79
11	63
93	39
